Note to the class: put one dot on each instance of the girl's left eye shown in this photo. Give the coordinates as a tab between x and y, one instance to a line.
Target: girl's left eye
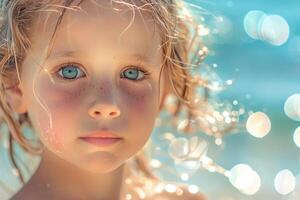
70	72
133	73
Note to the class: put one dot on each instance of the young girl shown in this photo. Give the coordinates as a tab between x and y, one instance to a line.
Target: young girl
90	77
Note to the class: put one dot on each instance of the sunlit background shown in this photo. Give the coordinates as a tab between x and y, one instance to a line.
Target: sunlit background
255	45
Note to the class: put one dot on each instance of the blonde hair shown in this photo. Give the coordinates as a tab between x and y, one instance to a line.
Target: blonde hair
180	46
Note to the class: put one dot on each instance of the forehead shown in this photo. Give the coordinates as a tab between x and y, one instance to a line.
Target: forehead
101	27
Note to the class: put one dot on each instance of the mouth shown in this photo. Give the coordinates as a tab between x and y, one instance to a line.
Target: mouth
101	142
101	138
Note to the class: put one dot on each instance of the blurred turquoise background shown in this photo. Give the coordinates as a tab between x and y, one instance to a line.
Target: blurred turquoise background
265	76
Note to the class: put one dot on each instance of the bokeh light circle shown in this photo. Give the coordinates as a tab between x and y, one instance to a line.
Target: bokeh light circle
284	182
258	124
241	176
254	186
292	107
275	29
178	148
252	23
296	136
270	28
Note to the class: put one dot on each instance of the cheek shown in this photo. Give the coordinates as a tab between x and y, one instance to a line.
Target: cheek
141	110
141	97
53	111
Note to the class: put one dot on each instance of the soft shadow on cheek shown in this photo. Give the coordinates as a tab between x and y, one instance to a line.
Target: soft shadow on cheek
141	100
141	97
56	105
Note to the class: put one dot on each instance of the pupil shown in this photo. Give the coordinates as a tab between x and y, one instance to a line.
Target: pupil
70	71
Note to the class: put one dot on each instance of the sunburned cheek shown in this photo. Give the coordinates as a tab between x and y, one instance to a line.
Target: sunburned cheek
50	134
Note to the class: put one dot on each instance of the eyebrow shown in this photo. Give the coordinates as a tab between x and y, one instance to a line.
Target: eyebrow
73	54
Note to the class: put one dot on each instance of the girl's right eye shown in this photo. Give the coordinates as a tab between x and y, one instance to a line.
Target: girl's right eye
70	72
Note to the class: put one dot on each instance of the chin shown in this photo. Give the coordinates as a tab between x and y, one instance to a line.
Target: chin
100	166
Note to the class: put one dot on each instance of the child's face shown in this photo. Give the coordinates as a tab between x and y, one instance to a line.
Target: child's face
101	91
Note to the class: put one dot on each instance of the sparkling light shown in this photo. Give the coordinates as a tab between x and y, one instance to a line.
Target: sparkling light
223	25
241	111
141	193
184	177
235	102
252	21
168	136
193	189
159	187
206	160
183	149
292	107
170	188
255	185
271	28
241	176
258	124
284	182
202	30
155	163
211	168
229	82
198	148
228	120
275	29
182	125
128	197
178	148
15	172
186	167
218	141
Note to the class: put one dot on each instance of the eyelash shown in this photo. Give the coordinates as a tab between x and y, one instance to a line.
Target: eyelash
61	66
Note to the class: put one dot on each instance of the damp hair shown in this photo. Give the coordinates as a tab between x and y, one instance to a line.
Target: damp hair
180	48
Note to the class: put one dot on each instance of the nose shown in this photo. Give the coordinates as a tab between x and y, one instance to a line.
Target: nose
104	111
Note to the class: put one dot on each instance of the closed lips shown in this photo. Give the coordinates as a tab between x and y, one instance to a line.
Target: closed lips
102	135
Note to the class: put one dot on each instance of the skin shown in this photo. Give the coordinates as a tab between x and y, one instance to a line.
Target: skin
61	110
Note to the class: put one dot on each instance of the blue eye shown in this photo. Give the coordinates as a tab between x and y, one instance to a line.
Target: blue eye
133	73
70	72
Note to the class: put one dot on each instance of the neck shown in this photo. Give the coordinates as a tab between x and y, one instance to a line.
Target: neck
59	178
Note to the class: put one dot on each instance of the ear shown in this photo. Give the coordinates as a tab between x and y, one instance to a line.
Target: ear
15	98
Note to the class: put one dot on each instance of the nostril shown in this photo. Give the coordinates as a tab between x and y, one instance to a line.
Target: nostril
113	113
97	112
